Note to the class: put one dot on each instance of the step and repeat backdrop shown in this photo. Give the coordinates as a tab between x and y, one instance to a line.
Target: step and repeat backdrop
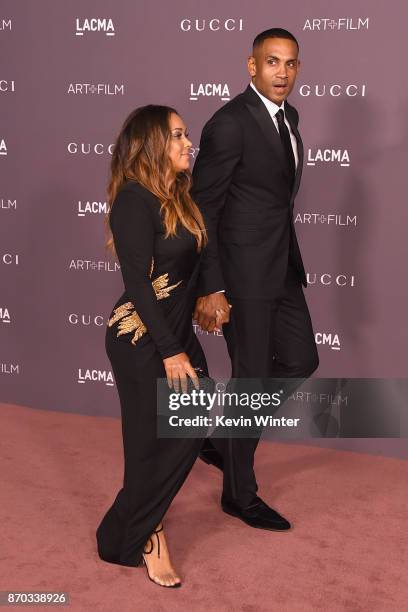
71	72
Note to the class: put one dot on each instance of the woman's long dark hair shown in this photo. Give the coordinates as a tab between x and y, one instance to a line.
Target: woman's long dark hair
141	154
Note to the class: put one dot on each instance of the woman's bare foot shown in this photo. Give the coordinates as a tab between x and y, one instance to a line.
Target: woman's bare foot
157	559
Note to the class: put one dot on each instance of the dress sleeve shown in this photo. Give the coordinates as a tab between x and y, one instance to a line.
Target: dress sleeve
133	231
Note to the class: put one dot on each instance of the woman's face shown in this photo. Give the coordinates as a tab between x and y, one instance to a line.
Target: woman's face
180	145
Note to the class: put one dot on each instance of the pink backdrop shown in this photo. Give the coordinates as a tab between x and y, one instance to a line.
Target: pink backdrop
71	72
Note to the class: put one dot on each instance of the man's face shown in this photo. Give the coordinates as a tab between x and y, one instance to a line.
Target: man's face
274	67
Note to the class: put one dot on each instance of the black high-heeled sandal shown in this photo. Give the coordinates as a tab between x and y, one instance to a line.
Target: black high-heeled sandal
147	552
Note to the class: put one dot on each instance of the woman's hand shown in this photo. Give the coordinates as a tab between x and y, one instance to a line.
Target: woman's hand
178	367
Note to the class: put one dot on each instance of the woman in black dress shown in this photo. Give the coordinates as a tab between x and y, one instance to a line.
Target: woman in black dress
158	234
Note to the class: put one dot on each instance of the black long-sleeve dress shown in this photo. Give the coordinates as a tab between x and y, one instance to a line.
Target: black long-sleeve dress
151	321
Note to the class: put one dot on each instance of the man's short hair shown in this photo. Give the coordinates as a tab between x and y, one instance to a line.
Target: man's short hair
273	33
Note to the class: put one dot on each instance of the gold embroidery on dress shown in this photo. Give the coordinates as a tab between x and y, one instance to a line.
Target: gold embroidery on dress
127	315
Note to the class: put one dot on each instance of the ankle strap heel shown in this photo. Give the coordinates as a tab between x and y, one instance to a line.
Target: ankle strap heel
147	552
156	531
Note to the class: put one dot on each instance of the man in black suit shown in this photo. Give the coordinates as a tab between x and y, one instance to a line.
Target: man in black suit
245	179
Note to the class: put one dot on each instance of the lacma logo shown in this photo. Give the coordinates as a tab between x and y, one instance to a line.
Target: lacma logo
330	339
339	156
104	376
4	315
84	26
210	89
3	147
91	208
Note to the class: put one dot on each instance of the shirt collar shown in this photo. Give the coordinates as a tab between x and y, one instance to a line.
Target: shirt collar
271	106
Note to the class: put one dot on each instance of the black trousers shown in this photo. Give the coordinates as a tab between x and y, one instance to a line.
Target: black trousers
265	339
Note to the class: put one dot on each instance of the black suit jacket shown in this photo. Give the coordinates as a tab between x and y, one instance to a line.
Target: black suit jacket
241	186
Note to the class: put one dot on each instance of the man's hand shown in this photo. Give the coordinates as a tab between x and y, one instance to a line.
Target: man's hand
211	311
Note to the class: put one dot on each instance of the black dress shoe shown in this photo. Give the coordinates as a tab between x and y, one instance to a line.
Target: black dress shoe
257	514
211	456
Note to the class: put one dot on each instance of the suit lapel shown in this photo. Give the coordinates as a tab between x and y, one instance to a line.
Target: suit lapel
260	113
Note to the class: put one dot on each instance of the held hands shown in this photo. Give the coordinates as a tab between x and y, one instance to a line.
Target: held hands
178	367
211	311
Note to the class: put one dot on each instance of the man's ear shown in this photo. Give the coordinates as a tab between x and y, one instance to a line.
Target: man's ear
251	66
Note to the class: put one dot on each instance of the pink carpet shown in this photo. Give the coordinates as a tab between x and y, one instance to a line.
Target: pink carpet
347	550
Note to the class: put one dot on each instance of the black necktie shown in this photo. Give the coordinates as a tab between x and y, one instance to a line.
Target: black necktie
287	144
